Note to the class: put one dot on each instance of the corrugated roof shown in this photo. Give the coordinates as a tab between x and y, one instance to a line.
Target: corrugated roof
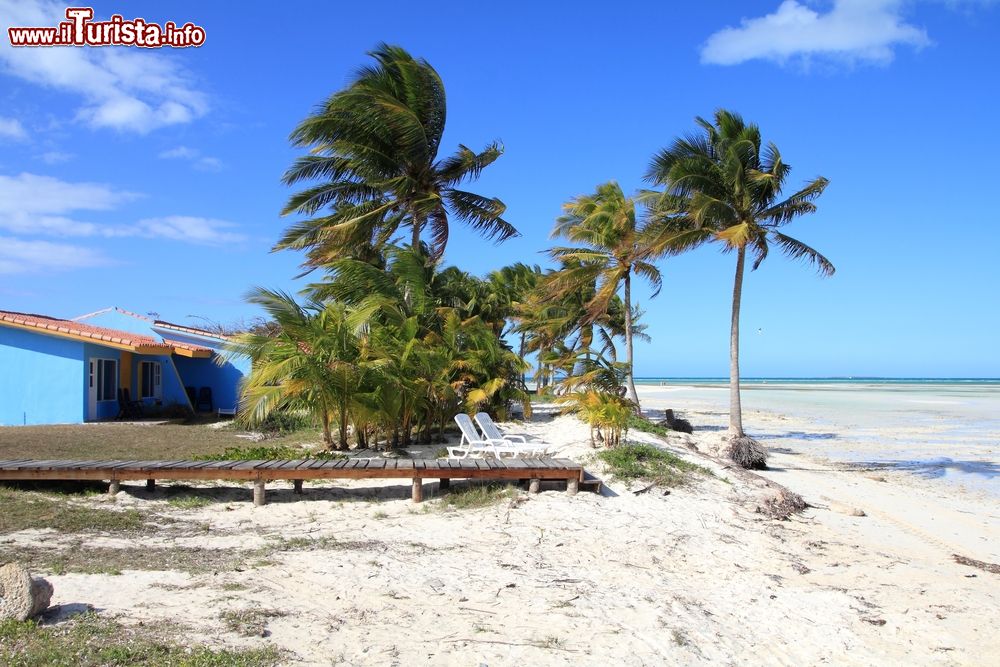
186	329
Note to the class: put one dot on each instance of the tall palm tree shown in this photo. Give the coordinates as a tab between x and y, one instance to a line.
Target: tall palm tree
615	246
374	148
724	185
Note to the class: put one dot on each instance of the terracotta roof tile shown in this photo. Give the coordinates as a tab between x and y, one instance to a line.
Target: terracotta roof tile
187	346
138	341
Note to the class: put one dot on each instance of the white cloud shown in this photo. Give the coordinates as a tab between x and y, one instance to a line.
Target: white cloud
55	157
33	204
44	206
11	128
20	256
203	231
194	156
851	30
123	88
180	153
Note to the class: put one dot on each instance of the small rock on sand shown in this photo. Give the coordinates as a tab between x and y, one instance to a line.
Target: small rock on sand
22	597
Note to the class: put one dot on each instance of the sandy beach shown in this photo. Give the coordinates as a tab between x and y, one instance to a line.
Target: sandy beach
356	574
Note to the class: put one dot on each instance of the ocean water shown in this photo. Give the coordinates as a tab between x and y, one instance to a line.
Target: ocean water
942	429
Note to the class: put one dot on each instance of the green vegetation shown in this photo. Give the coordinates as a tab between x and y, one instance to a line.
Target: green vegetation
263	453
477	496
249	622
635	462
24	510
90	640
189	502
640	423
615	247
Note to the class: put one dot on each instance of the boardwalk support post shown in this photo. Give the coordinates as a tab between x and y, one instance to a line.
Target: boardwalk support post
535	485
572	486
150	485
114	487
258	492
297	486
418	489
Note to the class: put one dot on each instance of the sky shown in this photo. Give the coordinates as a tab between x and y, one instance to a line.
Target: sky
150	178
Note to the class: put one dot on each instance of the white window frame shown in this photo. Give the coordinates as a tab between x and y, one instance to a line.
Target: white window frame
98	379
155	369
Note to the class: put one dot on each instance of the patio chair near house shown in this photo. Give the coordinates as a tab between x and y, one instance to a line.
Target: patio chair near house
204	402
492	432
127	408
192	395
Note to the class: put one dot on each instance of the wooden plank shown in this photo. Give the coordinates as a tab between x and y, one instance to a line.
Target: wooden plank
246	465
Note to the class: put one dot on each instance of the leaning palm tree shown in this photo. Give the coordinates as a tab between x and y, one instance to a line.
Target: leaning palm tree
615	246
724	185
373	147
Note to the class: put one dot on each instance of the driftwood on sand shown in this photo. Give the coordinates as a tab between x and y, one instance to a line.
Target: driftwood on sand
675	423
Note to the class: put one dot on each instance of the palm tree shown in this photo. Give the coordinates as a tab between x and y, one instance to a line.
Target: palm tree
724	185
309	361
616	246
374	148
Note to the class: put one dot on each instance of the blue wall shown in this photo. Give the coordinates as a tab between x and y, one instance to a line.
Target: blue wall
42	379
170	385
224	380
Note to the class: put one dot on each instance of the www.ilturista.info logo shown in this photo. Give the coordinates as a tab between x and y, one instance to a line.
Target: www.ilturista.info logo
81	30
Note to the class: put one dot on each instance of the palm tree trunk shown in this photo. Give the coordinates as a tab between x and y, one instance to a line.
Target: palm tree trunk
520	353
327	435
343	429
630	378
735	409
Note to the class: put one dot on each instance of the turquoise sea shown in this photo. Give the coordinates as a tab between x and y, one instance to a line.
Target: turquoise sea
946	429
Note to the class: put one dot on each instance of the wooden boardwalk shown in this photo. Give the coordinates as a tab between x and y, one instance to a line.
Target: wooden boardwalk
259	472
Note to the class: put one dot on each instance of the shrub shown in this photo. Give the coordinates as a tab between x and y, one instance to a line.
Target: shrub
609	415
267	453
633	461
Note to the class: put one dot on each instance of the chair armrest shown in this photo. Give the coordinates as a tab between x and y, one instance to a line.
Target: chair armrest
516	438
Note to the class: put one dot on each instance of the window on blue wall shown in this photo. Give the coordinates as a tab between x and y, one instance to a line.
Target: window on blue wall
107	379
152	386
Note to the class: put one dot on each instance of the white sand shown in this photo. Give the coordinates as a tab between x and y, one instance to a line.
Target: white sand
693	577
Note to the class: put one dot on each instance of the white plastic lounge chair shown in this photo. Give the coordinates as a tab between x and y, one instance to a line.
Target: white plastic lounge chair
475	445
492	432
231	412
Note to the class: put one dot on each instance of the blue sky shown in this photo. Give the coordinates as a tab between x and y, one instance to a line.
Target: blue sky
151	180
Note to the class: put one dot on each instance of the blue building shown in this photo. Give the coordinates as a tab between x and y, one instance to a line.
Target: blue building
57	371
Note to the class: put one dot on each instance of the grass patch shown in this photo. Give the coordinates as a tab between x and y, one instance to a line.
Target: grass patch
78	558
651	464
267	453
189	502
475	497
139	442
89	640
249	622
640	423
23	510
